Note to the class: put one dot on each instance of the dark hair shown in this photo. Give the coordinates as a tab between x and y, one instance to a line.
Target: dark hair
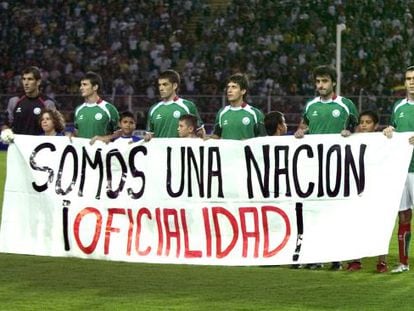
94	78
325	70
240	79
409	68
57	118
190	120
171	75
126	114
33	70
272	120
370	113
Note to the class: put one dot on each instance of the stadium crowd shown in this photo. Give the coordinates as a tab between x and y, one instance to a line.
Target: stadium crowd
276	42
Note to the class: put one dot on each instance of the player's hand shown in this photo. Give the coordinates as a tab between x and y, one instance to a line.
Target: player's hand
388	131
147	136
300	133
201	133
346	133
411	140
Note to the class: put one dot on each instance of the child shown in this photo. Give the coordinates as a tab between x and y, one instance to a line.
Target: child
127	126
368	123
187	126
52	122
275	123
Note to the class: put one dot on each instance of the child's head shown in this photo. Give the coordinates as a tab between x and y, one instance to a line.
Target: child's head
127	123
187	126
275	123
368	121
51	121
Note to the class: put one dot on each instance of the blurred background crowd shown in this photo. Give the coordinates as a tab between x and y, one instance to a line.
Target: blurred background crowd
277	43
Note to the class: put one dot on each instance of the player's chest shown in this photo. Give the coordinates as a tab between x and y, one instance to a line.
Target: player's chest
168	113
237	120
326	113
28	108
92	116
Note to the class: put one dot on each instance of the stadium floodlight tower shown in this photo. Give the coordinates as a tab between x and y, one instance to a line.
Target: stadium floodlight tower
339	29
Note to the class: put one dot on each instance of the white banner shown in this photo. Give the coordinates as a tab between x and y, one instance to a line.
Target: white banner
263	201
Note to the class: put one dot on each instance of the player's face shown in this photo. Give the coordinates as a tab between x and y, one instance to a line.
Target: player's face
183	129
235	93
409	83
366	124
167	89
46	122
30	84
324	86
86	89
127	126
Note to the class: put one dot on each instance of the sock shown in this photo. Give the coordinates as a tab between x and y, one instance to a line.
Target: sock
404	237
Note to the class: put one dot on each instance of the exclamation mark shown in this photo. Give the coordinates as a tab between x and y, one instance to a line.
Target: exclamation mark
66	204
299	225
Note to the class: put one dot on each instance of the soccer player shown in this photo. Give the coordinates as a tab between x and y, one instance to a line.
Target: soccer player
368	123
275	123
163	117
402	120
238	120
327	113
52	122
187	126
24	111
95	117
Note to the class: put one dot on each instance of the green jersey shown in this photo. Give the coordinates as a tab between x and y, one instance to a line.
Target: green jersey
163	116
99	118
330	117
402	119
239	122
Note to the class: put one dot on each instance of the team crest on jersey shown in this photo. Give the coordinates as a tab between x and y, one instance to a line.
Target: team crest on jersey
37	111
246	121
176	114
336	113
98	116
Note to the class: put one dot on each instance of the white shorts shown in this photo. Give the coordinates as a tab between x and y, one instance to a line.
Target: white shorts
407	198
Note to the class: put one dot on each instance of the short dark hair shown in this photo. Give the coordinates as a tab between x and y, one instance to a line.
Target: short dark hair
325	70
272	120
240	79
190	120
409	68
33	70
127	114
171	75
57	118
374	116
94	78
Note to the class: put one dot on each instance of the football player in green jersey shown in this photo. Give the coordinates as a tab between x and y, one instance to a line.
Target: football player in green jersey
95	117
327	113
238	120
402	120
163	116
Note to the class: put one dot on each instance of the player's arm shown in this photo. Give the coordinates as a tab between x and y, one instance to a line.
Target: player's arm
11	105
259	128
302	129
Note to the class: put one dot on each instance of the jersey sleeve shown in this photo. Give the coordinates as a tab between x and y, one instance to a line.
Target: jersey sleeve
10	109
150	125
194	111
353	114
114	117
50	104
217	126
260	129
